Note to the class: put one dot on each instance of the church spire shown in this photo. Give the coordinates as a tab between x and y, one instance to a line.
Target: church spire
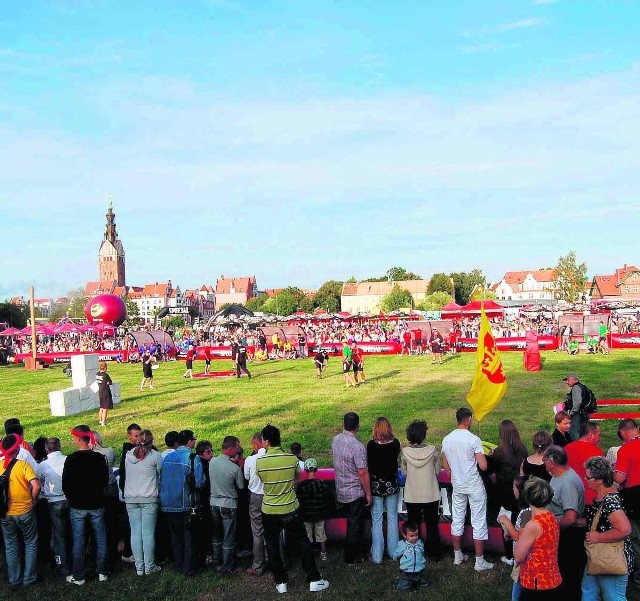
110	230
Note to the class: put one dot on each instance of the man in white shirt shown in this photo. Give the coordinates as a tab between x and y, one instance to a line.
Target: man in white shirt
462	455
256	488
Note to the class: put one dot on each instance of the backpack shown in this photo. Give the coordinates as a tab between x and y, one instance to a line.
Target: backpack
589	401
4	489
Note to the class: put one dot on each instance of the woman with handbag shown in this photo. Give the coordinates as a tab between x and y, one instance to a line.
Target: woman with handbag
609	553
382	459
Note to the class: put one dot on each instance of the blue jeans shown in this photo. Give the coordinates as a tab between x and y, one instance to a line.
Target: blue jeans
380	505
224	536
78	521
15	527
59	516
142	520
604	588
515	591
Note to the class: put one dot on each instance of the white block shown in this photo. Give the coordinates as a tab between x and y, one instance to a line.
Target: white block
88	400
116	392
83	370
63	401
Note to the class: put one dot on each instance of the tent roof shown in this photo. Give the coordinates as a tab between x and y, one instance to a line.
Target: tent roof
489	306
451	307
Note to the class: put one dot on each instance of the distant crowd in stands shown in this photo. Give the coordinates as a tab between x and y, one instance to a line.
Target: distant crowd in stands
207	510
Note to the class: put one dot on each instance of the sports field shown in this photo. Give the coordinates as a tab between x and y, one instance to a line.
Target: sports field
307	410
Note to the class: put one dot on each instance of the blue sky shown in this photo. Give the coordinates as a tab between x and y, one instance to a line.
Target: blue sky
302	141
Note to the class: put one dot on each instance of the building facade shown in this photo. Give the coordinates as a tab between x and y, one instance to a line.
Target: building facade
235	290
365	297
622	285
535	286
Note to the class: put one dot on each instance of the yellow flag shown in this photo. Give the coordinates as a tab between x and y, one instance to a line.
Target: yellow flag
489	382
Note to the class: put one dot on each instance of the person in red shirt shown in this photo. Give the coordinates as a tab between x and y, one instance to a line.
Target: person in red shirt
190	355
207	357
582	449
406	343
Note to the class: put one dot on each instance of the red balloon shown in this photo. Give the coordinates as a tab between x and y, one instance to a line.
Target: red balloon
106	308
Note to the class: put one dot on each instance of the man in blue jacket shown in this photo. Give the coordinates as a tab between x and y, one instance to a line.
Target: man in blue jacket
178	500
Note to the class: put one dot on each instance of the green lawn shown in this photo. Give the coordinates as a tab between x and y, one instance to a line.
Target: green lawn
308	410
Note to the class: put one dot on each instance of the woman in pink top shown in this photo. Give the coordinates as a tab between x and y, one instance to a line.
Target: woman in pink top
537	548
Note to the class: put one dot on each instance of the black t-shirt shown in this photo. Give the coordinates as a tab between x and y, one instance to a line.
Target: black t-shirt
560	439
84	478
383	460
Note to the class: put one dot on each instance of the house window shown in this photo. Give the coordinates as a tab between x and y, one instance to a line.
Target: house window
626	289
635	289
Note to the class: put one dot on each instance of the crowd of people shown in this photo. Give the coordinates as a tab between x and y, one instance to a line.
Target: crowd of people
207	510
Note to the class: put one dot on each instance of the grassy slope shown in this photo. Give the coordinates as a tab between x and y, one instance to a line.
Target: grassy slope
287	394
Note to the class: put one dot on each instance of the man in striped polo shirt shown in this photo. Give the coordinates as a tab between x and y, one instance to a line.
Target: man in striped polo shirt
278	470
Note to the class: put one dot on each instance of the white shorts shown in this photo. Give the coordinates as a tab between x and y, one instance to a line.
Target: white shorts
477	500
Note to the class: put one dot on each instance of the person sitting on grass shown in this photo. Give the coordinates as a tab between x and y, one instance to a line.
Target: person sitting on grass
573	347
410	552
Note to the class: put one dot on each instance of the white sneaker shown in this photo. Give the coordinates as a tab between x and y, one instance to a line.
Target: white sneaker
482	565
71	580
102	577
459	559
282	587
506	560
318	585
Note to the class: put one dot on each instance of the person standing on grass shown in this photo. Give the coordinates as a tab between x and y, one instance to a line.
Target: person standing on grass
567	505
312	495
147	372
280	511
104	392
410	551
207	357
144	466
20	523
462	456
240	348
84	478
353	486
189	362
347	358
226	479
582	449
256	489
574	405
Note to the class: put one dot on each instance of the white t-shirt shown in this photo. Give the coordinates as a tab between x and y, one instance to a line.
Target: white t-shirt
255	484
460	448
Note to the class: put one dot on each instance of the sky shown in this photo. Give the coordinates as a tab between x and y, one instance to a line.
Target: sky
302	141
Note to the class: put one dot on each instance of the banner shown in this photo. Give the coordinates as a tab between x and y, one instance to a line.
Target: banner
489	382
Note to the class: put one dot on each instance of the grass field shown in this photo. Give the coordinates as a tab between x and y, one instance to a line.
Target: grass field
308	410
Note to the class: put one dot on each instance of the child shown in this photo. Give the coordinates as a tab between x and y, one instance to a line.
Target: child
312	496
104	392
514	531
410	551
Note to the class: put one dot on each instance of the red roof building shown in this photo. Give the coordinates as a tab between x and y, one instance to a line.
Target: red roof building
623	284
235	290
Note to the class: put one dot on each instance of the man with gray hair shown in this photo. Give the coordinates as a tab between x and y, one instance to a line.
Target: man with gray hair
256	488
574	405
567	506
49	473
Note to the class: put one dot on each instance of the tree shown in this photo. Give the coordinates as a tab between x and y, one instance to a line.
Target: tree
328	296
282	303
59	310
464	283
255	304
398	298
133	313
76	306
570	278
435	301
15	316
440	282
395	274
173	322
483	294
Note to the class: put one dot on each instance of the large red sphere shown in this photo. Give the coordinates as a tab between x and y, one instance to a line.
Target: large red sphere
106	308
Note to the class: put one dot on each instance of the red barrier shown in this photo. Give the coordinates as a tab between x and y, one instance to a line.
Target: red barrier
50	358
617	402
625	340
546	343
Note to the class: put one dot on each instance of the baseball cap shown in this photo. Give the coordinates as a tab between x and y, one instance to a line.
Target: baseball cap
310	465
569	377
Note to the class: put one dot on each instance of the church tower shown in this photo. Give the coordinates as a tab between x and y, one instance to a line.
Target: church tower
111	253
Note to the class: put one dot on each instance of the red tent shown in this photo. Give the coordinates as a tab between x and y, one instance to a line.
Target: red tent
491	308
451	310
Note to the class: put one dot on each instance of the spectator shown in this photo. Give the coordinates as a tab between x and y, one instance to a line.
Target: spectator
533	465
13	426
312	495
382	459
19	523
144	466
226	479
278	471
353	486
612	526
567	505
50	475
581	450
505	462
410	552
420	464
462	456
204	533
84	479
133	431
627	473
171	442
560	436
574	405
537	548
256	489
